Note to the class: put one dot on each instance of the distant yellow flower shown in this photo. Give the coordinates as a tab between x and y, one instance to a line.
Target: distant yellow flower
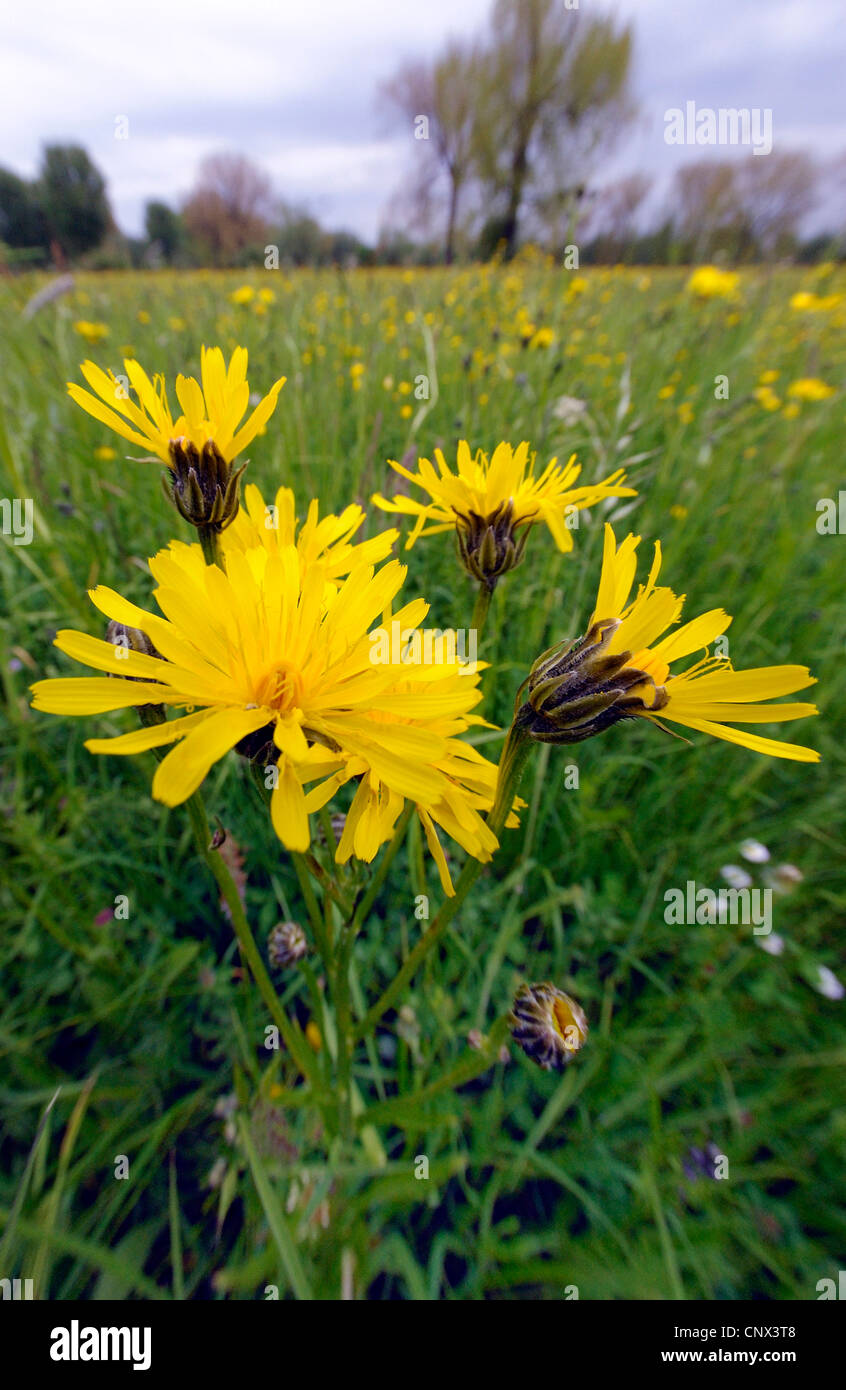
767	378
709	282
685	413
766	397
93	333
105	453
488	501
176	324
211	412
280	663
266	295
810	388
621	670
245	294
805	302
542	338
678	512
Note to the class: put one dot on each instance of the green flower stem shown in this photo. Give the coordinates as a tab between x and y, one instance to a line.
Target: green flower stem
480	611
315	916
341	980
291	1033
514	755
209	538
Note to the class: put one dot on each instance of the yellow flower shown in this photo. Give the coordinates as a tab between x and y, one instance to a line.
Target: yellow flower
267	296
766	397
498	494
105	453
621	670
685	413
810	388
245	294
542	338
709	282
211	413
805	302
327	542
767	378
279	663
93	333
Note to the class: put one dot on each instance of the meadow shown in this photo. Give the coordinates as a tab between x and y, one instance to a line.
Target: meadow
132	1033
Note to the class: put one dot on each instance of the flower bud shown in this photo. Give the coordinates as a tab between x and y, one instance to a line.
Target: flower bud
576	690
489	545
286	944
548	1025
133	639
202	485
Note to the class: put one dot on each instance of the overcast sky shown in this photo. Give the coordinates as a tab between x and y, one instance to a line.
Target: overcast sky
293	84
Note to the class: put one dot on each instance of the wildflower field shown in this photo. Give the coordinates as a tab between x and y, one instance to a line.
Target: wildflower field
153	1145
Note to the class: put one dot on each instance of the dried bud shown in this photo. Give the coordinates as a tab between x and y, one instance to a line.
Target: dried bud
286	944
548	1025
576	690
132	639
202	485
489	545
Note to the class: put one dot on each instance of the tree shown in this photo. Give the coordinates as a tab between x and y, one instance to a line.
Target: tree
776	193
22	221
165	229
745	208
228	210
554	89
610	224
72	193
439	102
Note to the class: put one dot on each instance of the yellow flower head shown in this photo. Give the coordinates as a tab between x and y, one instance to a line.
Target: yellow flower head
806	302
488	501
328	541
211	412
93	333
709	282
621	669
810	388
276	661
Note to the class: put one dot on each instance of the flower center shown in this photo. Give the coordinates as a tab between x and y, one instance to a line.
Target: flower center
281	687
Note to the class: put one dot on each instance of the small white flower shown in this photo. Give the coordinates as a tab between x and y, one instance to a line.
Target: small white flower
783	877
772	944
754	851
828	984
569	409
735	876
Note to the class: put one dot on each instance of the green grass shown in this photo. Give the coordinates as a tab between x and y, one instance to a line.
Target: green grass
122	1037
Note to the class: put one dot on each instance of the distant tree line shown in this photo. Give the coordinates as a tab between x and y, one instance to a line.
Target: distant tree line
507	136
